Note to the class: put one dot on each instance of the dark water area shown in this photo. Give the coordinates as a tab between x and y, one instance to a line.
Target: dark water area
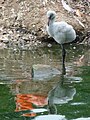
60	97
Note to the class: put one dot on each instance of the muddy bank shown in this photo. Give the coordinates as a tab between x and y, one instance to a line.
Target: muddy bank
23	22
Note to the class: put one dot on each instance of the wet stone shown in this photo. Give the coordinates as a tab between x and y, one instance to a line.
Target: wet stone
50	117
41	71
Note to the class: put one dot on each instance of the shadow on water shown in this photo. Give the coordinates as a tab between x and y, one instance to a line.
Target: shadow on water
61	97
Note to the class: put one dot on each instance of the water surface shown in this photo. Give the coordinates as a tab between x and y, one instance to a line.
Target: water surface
22	97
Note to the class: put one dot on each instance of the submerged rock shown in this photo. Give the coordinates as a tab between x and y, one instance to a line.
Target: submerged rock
40	71
50	117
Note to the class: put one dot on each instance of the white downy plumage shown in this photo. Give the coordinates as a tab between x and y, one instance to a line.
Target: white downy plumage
62	32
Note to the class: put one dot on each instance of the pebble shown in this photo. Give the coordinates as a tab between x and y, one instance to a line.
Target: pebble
13	36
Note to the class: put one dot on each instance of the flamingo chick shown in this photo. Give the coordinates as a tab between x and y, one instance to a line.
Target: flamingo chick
62	32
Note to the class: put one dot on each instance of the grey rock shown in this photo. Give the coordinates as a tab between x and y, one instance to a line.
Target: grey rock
41	71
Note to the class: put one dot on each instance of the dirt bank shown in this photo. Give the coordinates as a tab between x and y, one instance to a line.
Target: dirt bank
23	22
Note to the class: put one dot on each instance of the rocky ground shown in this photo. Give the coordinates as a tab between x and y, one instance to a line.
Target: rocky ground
23	22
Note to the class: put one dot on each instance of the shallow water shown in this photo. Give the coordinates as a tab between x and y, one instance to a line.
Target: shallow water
23	97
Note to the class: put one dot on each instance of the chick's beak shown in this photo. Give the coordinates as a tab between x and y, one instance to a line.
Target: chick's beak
48	21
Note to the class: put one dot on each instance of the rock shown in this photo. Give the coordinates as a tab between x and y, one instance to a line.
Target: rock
2	45
40	71
50	117
4	38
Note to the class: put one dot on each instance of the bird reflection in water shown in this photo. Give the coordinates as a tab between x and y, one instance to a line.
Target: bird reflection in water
62	93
